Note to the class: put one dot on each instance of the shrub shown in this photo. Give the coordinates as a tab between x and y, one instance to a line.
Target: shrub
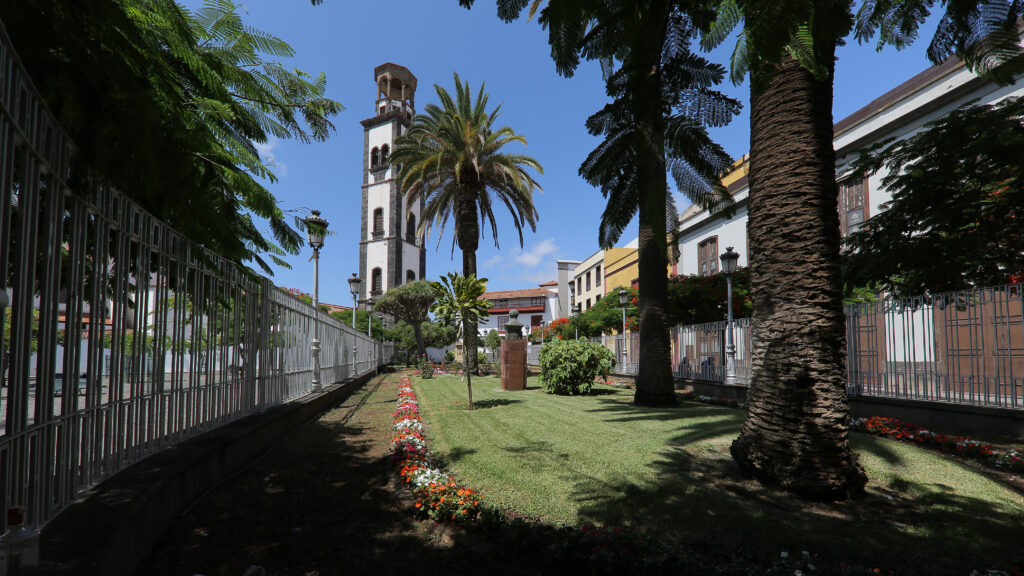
449	356
568	367
426	368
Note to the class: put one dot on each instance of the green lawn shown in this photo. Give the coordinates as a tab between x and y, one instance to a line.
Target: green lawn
598	459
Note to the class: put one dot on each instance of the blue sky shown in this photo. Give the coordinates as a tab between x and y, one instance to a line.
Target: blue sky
347	39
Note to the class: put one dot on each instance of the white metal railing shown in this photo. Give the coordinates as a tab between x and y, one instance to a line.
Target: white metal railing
124	337
962	347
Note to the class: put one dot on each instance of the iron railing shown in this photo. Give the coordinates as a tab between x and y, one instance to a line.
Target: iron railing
962	347
121	337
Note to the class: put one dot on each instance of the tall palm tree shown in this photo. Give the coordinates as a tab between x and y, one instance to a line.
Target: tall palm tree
796	431
795	434
655	124
452	157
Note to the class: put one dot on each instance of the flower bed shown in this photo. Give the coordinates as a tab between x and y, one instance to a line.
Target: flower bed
437	494
959	445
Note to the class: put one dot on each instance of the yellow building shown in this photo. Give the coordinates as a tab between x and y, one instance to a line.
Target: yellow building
621	268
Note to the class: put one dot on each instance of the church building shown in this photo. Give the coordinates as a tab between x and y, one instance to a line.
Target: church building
390	252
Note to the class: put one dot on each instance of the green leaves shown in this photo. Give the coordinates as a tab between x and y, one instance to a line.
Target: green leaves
568	367
459	299
954	221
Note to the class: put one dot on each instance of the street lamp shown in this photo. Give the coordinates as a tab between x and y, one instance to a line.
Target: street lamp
353	286
729	260
315	228
541	326
369	325
575	313
623	300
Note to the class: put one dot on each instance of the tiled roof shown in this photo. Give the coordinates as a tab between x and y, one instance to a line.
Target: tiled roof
550	283
526	293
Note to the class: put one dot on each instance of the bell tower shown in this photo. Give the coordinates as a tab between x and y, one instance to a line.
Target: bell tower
390	252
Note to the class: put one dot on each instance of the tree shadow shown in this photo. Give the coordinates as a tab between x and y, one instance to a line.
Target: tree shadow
493	403
705	503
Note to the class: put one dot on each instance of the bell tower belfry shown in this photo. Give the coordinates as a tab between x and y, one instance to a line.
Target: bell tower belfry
390	251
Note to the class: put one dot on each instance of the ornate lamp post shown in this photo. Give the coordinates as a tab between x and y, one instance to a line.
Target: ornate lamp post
353	286
369	325
315	228
623	300
729	260
575	313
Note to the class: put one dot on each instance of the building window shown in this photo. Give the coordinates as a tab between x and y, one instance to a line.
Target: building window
502	320
410	229
377	282
535	322
588	304
499	303
385	153
579	285
853	204
597	275
537	301
707	256
410	276
588	280
374	158
378	222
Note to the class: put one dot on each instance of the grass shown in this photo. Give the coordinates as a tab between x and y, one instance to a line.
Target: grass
598	459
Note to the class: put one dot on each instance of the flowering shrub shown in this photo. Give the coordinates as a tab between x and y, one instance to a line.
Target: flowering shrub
426	369
437	494
959	445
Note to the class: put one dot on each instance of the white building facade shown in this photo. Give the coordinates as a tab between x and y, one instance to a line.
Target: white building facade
898	114
391	253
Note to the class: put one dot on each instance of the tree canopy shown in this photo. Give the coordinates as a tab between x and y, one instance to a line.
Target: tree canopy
168	106
410	303
956	217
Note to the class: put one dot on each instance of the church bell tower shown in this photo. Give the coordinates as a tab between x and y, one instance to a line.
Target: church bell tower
390	252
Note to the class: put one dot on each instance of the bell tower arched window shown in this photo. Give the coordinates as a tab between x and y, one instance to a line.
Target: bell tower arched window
385	153
410	229
410	276
378	222
374	158
376	285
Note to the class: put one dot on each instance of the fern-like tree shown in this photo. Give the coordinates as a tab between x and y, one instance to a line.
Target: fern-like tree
410	303
453	157
655	125
460	303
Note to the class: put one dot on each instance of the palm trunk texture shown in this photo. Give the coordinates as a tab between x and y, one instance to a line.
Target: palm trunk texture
796	433
655	385
468	232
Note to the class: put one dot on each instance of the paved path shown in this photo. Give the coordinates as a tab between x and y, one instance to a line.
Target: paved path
316	504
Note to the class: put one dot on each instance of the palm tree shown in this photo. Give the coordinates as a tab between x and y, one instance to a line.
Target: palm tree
795	434
452	158
460	303
655	124
796	431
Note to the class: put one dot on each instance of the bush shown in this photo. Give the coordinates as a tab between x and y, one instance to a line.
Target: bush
568	367
426	368
449	356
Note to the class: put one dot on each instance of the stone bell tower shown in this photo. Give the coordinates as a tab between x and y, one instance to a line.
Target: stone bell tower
390	252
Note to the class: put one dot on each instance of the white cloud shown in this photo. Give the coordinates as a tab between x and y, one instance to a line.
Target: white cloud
525	267
532	257
266	152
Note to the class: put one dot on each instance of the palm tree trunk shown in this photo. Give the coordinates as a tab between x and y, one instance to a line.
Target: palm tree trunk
467	230
655	385
796	433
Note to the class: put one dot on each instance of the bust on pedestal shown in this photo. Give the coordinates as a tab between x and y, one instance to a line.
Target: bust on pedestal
513	355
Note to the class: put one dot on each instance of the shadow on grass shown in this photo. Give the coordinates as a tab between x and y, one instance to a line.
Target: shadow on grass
493	403
705	503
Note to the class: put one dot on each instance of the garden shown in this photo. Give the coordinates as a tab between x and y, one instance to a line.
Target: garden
655	488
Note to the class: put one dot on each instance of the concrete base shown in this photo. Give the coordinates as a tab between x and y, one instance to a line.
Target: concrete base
513	365
112	527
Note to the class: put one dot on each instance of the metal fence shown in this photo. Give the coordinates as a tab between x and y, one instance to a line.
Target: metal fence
121	337
961	347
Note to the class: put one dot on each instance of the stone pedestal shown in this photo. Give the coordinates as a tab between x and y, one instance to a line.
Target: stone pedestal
513	365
